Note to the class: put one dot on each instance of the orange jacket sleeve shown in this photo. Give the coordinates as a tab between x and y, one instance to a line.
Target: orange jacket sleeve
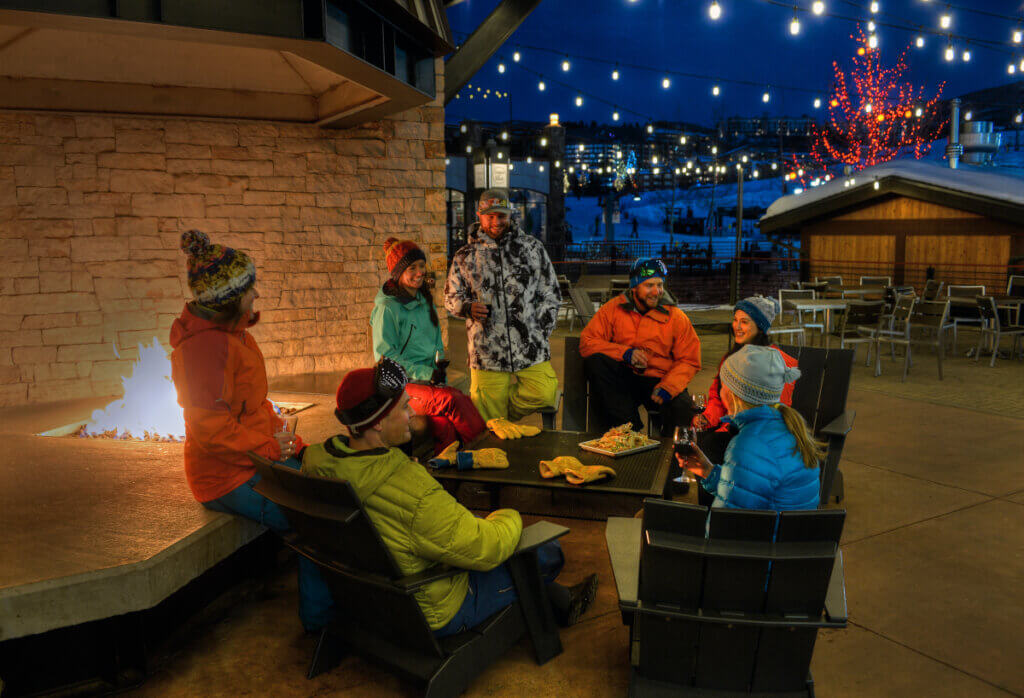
596	337
685	356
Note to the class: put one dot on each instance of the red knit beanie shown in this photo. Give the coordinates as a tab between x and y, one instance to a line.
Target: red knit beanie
399	254
367	395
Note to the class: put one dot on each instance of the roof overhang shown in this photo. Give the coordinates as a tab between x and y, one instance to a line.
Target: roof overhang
334	63
889	187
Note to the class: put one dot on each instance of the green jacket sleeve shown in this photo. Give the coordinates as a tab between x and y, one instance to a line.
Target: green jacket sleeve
445	531
389	338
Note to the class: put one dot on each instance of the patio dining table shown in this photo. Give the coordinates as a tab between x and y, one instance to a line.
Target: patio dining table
859	291
827	305
644	474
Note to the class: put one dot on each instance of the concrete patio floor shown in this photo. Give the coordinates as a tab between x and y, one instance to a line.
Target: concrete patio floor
933	545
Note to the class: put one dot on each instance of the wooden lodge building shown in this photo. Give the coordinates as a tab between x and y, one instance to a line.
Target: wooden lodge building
900	218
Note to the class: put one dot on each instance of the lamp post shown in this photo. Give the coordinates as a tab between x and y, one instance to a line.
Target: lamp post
734	281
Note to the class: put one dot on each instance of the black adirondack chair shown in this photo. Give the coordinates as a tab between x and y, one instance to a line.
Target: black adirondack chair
578	412
377	614
735	612
820	397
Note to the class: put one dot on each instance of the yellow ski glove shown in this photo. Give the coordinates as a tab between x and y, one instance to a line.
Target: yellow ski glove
446	458
505	429
576	473
483	459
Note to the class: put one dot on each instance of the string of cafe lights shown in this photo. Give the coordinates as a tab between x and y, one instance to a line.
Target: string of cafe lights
480	92
818	8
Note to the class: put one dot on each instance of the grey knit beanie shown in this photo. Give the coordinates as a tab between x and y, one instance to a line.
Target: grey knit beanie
760	309
757	374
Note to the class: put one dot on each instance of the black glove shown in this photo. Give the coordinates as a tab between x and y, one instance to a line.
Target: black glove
440	374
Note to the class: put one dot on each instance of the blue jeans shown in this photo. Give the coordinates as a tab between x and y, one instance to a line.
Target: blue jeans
315	603
489	592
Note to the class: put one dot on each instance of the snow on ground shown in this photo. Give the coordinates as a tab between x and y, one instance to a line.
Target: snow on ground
651	212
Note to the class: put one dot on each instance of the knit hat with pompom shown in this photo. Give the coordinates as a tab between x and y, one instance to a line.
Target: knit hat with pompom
217	274
399	254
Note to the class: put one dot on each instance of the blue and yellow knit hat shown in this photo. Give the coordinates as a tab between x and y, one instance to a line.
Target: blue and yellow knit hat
646	268
217	274
757	374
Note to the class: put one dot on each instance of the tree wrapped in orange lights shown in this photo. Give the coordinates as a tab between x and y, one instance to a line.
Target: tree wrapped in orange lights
875	115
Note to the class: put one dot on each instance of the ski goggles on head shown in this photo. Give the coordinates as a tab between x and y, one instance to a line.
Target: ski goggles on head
645	269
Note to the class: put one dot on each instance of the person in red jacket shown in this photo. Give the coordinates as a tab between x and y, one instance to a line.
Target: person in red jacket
638	351
221	380
751	321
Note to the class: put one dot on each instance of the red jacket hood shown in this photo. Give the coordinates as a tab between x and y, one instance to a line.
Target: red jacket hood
190	324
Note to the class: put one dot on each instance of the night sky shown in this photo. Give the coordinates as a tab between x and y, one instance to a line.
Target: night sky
751	41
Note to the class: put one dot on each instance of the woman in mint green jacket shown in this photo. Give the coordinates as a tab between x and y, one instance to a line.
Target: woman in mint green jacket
406	330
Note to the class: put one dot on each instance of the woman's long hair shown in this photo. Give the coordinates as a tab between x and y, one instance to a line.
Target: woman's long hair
811	450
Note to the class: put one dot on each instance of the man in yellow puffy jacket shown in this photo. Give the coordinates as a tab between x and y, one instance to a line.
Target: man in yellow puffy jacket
421	523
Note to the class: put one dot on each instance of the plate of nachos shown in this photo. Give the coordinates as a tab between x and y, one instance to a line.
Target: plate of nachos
620	441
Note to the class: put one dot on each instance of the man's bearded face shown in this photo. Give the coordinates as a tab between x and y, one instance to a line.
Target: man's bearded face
494	224
648	292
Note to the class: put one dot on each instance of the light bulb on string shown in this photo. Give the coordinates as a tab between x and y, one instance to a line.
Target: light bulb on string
1020	66
715	10
579	101
529	159
765	97
794	25
504	135
867	108
541	86
874	7
968	114
1019	118
818	7
966	55
871	27
817	102
650	128
715	91
1011	69
945	21
516	56
615	74
873	41
565	65
501	67
615	116
949	54
919	41
665	83
1018	36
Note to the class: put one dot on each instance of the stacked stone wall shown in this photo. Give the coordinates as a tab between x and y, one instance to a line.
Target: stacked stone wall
92	209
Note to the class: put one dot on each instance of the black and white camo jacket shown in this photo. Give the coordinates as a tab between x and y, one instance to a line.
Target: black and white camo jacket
515	274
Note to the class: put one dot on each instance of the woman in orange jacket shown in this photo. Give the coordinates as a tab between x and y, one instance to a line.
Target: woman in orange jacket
221	380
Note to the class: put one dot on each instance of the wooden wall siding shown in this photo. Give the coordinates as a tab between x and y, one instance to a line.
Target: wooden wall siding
959	259
852	256
902	208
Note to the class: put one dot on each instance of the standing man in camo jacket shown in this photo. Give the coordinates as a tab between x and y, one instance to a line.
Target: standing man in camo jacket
502	282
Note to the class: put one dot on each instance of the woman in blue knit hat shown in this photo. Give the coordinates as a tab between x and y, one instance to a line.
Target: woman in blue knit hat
772	462
751	321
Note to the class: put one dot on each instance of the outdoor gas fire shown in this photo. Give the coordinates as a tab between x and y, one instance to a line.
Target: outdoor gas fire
149	410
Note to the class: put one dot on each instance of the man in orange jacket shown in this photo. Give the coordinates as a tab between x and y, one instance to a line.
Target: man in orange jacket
637	351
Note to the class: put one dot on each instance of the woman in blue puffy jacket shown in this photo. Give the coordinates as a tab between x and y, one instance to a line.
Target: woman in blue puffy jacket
772	463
